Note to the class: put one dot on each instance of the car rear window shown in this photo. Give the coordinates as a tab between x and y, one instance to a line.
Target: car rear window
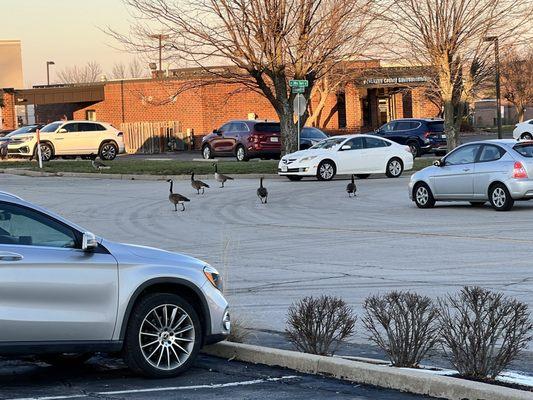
267	127
524	149
436	126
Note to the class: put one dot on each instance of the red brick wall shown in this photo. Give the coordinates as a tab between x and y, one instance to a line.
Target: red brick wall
422	107
9	119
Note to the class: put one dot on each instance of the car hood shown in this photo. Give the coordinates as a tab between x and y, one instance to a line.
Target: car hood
130	253
307	153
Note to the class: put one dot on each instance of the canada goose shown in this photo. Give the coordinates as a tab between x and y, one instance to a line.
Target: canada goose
98	165
3	151
221	177
176	198
262	192
198	184
351	188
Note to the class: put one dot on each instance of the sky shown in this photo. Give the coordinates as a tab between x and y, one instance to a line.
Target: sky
64	31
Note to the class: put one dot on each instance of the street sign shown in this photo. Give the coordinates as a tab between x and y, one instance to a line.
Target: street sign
298	83
299	104
298	90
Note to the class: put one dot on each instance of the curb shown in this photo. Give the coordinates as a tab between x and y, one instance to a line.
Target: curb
443	387
129	177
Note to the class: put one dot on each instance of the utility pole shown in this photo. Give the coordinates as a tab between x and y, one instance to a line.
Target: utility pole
494	39
160	37
48	63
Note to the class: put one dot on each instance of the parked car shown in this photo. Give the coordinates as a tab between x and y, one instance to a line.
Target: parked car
67	294
247	139
422	135
353	154
500	171
23	129
70	138
523	130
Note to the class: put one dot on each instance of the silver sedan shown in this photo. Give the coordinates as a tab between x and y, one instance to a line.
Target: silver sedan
500	171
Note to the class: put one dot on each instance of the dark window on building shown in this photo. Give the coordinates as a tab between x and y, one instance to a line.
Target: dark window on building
407	103
367	111
341	109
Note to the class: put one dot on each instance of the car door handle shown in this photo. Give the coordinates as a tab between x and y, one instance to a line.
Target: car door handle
466	169
8	256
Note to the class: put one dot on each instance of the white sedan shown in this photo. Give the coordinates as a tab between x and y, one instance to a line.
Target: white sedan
361	155
523	130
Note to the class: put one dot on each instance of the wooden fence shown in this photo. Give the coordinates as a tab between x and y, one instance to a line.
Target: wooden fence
155	137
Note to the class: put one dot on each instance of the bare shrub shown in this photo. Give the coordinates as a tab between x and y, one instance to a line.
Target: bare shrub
403	325
316	325
483	331
239	331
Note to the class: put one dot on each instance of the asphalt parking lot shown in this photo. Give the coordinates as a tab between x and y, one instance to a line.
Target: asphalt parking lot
108	378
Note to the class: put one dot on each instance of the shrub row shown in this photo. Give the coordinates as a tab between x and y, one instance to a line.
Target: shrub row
480	331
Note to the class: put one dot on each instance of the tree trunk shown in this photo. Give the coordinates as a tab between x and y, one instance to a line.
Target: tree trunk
289	133
520	111
450	126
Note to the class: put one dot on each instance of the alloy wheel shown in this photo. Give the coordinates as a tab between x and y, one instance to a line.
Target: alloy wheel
395	168
46	152
166	337
326	171
499	197
206	153
240	154
422	195
108	151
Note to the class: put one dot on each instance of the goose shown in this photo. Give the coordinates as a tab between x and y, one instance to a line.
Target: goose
3	151
98	165
262	192
198	184
221	177
351	188
176	198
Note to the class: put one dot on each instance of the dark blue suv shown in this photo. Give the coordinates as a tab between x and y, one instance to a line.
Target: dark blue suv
422	135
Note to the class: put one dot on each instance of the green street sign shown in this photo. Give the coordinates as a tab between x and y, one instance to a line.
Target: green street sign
298	83
298	90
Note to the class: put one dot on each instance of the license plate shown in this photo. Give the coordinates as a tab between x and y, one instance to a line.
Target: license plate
443	136
284	168
274	139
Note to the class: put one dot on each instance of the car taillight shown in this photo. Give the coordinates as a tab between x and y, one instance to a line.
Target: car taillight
427	134
519	171
254	138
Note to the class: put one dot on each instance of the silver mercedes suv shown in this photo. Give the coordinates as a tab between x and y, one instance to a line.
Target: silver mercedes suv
65	294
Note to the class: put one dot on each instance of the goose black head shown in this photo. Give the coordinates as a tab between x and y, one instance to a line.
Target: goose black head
169	180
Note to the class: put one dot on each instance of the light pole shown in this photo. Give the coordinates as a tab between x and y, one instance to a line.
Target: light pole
48	63
494	39
160	37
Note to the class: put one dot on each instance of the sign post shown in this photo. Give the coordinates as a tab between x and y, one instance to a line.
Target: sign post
39	155
299	105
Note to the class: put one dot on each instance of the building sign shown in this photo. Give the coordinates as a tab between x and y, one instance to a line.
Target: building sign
397	80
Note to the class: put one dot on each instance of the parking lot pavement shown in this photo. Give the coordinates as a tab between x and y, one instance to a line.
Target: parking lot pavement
309	239
108	378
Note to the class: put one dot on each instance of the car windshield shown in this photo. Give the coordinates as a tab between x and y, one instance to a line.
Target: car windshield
270	127
525	149
24	129
51	127
329	143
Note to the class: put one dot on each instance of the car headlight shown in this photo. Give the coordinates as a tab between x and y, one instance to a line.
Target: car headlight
213	276
308	158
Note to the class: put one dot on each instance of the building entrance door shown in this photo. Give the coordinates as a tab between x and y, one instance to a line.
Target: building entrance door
383	110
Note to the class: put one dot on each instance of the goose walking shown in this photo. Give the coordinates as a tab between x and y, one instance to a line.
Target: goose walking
262	192
198	184
221	177
351	188
176	198
98	165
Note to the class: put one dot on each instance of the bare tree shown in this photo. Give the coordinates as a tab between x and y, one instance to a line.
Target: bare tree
450	37
268	42
133	70
517	79
118	71
89	73
136	69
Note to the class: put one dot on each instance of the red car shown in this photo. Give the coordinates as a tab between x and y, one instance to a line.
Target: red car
244	139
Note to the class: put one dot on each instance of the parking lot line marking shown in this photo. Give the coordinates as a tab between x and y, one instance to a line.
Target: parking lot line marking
163	389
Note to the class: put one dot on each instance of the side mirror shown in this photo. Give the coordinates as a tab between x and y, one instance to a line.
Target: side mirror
88	241
438	163
217	131
62	130
346	147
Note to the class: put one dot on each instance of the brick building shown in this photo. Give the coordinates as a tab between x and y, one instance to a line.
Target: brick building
376	95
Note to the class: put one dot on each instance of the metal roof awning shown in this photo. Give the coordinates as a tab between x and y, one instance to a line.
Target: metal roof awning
60	94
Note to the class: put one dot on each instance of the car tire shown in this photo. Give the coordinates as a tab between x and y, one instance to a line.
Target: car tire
423	196
240	154
294	178
477	203
326	170
108	151
47	152
363	176
207	153
66	359
394	168
415	149
500	198
174	348
526	136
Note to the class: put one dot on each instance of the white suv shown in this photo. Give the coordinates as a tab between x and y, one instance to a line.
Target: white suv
70	139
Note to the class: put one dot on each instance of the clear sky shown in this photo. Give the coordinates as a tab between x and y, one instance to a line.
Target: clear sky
64	31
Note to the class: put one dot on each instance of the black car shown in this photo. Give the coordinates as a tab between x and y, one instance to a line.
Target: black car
310	136
422	135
